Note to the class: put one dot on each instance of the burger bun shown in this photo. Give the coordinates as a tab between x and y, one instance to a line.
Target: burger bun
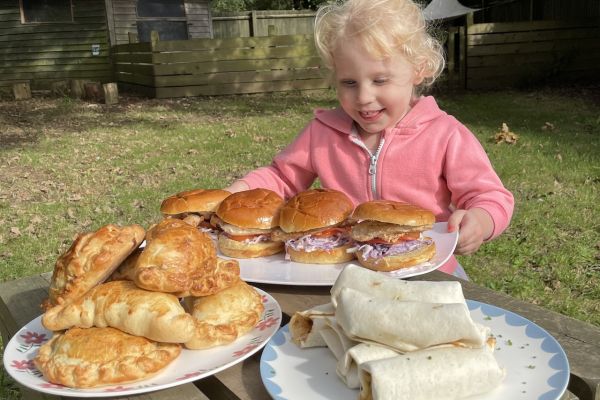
398	261
334	256
240	249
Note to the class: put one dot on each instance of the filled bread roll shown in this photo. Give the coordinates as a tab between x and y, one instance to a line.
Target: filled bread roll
86	358
122	305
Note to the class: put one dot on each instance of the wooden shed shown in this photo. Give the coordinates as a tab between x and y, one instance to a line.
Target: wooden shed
42	42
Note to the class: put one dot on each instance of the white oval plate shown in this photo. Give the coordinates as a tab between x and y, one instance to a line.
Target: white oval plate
536	365
191	365
277	270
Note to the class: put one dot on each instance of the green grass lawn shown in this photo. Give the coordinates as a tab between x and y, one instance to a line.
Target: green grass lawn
68	166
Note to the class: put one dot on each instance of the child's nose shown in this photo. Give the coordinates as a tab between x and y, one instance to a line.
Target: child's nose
364	95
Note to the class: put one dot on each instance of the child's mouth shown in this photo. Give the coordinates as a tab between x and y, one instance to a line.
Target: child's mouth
369	115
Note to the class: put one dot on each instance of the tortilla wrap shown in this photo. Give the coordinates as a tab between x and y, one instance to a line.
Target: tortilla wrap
380	285
445	373
347	366
336	339
406	325
306	325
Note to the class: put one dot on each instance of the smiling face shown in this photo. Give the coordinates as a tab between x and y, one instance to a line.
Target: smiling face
376	93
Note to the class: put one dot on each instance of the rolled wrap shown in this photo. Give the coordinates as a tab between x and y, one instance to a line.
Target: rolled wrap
347	366
380	285
406	325
336	339
445	373
305	326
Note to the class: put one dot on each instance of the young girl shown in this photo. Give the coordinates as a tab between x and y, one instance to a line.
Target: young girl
385	141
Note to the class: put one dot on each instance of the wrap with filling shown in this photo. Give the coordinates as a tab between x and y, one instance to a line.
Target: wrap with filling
336	339
443	373
380	285
406	325
305	326
347	366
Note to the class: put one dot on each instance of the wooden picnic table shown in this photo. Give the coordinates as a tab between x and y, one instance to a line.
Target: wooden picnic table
20	299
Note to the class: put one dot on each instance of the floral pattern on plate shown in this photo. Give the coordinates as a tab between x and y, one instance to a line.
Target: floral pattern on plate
191	365
536	365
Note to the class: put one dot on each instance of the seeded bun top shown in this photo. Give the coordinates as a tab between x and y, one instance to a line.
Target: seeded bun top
196	200
314	209
255	208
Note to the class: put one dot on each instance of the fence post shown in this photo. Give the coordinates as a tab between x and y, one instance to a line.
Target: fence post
253	23
450	45
154	38
133	37
272	31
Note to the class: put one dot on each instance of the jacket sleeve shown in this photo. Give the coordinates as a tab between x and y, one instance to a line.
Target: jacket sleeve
473	181
291	170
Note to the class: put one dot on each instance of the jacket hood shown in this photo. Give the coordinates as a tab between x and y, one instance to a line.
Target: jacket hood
424	110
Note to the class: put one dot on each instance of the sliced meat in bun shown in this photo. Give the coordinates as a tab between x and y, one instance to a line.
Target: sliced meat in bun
389	235
246	220
196	207
312	223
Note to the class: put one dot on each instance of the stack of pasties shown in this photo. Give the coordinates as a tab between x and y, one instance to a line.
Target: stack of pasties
397	339
132	327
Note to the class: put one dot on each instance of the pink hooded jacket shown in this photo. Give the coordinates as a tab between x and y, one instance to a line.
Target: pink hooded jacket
428	159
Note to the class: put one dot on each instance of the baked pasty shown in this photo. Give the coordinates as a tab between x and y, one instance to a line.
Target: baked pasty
176	254
85	358
92	257
223	317
222	274
122	305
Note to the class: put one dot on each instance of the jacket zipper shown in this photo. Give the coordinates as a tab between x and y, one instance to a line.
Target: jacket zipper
373	161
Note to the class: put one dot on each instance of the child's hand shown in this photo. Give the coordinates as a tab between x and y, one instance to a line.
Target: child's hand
237	186
474	226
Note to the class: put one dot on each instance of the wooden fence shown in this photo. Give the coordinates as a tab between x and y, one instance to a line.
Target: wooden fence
257	23
499	55
44	53
206	67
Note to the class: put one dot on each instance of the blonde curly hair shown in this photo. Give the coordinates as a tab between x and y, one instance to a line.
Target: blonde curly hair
384	28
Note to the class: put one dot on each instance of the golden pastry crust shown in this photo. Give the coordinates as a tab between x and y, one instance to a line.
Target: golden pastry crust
122	305
222	275
176	255
86	358
223	317
91	259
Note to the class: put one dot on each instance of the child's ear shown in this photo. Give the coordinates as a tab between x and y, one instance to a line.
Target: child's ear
419	76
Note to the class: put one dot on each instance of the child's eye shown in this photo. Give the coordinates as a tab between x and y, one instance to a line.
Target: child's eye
380	81
348	82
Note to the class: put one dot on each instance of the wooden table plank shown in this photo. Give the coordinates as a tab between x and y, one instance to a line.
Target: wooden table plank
19	303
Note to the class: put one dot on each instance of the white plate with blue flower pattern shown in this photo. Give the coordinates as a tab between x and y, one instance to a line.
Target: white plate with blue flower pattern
191	365
536	365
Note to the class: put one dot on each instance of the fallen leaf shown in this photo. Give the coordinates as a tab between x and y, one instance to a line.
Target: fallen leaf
505	135
548	126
